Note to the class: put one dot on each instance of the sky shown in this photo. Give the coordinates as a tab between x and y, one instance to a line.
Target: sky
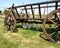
8	3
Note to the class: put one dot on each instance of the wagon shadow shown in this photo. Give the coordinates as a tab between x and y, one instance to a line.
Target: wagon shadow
40	30
33	28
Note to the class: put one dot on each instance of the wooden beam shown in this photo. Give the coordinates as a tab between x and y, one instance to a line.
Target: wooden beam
56	6
26	12
42	7
39	10
32	11
17	13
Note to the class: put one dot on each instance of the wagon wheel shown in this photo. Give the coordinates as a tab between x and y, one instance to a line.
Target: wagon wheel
51	33
10	22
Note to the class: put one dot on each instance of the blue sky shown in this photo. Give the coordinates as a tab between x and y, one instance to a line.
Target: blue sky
7	3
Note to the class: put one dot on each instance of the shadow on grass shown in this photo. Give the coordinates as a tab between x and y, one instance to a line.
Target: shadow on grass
32	28
49	31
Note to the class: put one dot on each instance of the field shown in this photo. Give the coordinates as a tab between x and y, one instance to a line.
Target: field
23	38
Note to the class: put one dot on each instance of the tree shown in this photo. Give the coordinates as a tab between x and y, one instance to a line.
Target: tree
0	12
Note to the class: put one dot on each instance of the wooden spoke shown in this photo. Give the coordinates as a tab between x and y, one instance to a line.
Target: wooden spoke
52	34
52	21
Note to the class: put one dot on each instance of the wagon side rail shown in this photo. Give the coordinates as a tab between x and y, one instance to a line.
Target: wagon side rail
38	6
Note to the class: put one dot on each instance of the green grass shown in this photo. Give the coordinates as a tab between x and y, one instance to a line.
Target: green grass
23	38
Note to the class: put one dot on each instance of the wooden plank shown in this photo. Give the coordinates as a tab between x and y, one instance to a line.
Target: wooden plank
31	18
39	10
17	13
21	21
41	7
56	6
32	11
26	12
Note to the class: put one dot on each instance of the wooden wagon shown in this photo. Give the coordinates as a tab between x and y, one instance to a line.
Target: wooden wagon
50	18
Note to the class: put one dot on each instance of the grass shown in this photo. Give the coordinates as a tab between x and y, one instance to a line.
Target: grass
23	38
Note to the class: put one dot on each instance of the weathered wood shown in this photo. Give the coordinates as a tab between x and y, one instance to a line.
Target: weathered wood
32	18
17	13
37	22
29	22
32	11
39	10
25	8
56	4
42	7
26	12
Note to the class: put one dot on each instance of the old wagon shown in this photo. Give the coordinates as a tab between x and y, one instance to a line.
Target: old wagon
48	14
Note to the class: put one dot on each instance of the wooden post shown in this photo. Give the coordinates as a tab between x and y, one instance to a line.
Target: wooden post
32	11
26	12
17	13
56	5
39	10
